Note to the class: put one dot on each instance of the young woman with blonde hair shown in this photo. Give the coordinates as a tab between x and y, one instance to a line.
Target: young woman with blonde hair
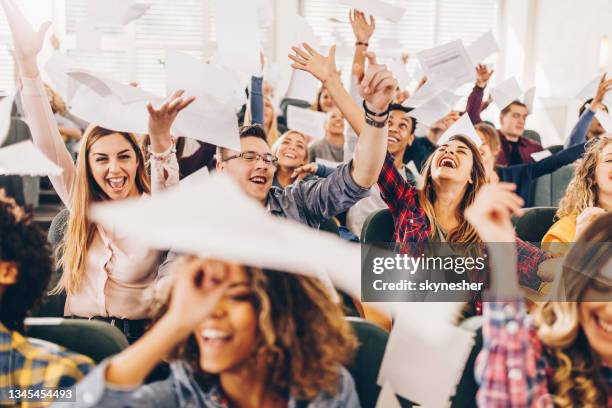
101	274
588	195
236	337
563	356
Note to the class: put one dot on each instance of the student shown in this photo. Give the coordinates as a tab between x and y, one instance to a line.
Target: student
100	276
238	337
292	153
561	356
423	147
521	174
26	267
330	148
588	195
324	102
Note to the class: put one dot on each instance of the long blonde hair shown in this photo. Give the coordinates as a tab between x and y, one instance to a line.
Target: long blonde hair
81	230
582	191
465	232
576	380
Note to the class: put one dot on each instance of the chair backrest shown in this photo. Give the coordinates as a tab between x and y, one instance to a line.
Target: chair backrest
58	227
534	223
549	189
555	148
533	135
293	102
378	227
367	360
95	339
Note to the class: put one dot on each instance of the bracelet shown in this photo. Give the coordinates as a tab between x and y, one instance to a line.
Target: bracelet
375	123
371	113
365	44
162	156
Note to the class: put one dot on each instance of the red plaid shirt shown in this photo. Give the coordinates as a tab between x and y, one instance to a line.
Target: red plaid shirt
412	226
514	368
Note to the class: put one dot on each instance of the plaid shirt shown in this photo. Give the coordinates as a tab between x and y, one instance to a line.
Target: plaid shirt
26	366
412	226
513	368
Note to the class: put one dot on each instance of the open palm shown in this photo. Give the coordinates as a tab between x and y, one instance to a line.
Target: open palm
27	42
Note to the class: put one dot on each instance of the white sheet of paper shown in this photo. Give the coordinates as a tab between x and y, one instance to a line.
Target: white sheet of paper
605	119
435	108
425	355
449	60
463	126
238	42
327	163
387	398
6	108
120	12
429	90
377	8
265	13
529	99
537	156
194	179
56	68
590	90
306	121
482	48
506	92
182	214
302	85
211	117
24	159
110	104
400	73
88	37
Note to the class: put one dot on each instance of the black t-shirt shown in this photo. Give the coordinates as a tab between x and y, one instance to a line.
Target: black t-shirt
515	155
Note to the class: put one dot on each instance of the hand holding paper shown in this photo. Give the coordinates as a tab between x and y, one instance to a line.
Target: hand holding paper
161	120
483	74
464	127
604	86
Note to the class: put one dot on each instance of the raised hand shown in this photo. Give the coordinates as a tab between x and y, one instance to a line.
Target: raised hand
586	218
161	120
361	29
483	74
378	86
490	212
26	41
304	170
321	67
605	85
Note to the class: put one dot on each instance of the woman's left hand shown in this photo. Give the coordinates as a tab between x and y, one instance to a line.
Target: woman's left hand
161	120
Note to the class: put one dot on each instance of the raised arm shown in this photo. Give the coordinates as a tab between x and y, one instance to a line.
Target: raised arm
474	102
362	30
39	116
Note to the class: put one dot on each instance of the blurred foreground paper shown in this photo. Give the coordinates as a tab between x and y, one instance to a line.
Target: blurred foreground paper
435	108
463	126
377	8
110	104
425	354
119	12
482	48
449	60
306	121
214	218
23	159
387	398
506	92
6	108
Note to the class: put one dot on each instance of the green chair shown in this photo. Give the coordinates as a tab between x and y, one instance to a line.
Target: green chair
533	135
378	227
368	358
549	189
555	148
534	224
95	339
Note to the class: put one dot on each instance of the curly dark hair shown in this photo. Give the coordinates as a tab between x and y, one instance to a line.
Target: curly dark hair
23	243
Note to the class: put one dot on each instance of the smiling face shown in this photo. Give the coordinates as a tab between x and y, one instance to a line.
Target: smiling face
401	133
255	177
292	151
326	103
335	122
113	164
513	121
603	172
228	337
453	161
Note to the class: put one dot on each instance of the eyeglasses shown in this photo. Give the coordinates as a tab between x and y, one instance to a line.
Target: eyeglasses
250	157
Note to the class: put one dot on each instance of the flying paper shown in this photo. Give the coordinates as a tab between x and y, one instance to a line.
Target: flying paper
302	85
214	218
529	98
110	104
400	73
6	108
482	48
605	119
429	90
435	108
449	60
306	121
57	68
506	92
23	159
590	90
387	398
120	12
377	8
463	126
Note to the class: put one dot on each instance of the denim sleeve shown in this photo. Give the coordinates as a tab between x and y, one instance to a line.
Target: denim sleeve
257	102
580	130
323	170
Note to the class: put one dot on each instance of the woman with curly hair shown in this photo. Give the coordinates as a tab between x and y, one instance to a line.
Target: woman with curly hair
236	337
588	195
563	356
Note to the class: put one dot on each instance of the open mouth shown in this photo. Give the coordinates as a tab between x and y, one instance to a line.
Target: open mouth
116	183
447	161
214	337
260	180
603	325
393	139
290	156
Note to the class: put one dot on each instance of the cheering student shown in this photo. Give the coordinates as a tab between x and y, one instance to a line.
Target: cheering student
26	267
562	355
588	195
291	149
331	147
100	276
237	337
